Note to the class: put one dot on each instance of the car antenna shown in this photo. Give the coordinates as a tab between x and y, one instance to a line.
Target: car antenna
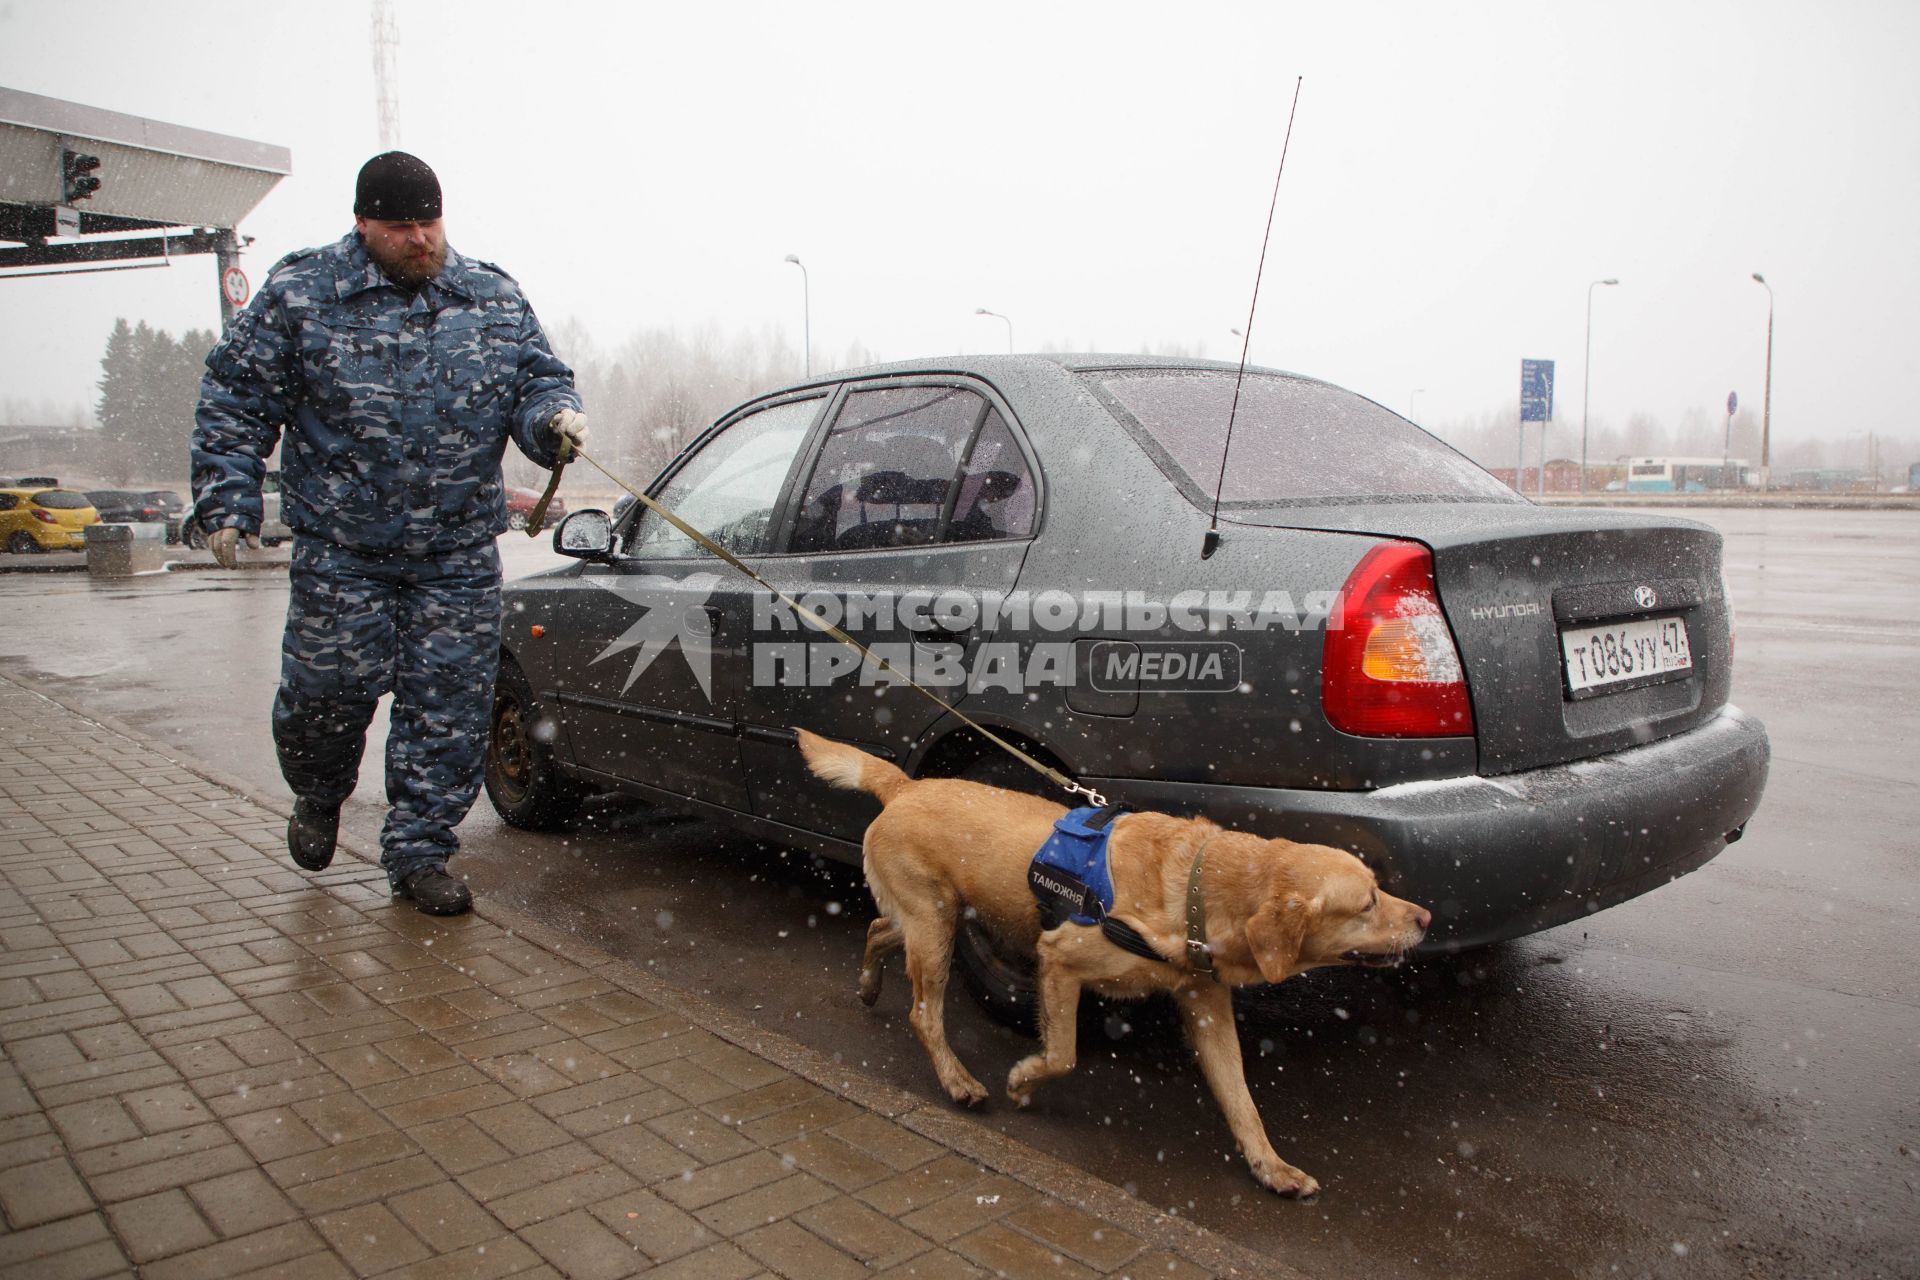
1211	543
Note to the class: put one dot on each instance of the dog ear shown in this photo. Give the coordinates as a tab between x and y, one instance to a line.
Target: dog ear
1275	934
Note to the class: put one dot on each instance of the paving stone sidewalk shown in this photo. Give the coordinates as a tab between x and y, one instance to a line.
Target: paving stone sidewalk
212	1065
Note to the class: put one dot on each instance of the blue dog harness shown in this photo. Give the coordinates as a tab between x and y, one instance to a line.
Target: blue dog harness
1070	880
1069	875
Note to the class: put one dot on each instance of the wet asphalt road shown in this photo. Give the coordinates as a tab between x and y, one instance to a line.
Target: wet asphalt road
1717	1079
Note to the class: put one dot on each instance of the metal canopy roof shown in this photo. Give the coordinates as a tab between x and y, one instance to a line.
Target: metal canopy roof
152	174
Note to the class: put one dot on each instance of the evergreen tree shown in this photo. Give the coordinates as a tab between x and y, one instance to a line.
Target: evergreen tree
158	357
118	372
149	386
174	431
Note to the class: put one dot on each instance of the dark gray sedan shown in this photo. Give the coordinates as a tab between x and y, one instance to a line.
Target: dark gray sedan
1518	715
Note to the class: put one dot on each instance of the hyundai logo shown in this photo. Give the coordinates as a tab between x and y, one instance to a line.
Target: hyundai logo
1645	597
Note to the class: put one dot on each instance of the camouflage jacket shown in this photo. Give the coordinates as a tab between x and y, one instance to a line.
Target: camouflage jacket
396	406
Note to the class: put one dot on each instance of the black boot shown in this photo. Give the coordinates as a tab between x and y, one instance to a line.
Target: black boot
312	832
435	892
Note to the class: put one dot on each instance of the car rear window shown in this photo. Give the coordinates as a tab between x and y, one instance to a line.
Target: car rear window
62	500
1294	440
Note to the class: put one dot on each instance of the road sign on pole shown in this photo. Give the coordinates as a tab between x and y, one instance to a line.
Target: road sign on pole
1536	405
1726	442
233	283
1536	391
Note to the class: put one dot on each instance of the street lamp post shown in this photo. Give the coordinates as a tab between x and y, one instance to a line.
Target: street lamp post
1586	382
806	314
982	311
1726	441
1766	397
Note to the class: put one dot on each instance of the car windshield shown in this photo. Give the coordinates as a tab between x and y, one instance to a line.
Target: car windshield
61	500
1294	440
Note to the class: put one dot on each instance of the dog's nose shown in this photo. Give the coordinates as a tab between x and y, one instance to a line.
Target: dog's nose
1423	916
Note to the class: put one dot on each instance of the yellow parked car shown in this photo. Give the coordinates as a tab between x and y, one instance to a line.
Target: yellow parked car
45	519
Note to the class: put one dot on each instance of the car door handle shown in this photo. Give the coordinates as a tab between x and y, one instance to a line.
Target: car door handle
937	634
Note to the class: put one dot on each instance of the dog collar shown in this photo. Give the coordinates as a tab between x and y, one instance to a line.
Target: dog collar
1199	956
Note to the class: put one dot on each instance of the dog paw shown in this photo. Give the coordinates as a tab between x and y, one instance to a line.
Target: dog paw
1020	1081
869	989
967	1091
1282	1178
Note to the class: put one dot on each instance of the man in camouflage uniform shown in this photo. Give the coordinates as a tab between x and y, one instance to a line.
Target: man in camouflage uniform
398	370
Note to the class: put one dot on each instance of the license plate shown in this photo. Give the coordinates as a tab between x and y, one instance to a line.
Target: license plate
1603	656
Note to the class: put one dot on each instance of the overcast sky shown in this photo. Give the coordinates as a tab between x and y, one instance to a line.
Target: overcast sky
1100	173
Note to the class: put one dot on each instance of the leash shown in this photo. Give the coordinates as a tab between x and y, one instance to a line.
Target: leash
560	460
821	624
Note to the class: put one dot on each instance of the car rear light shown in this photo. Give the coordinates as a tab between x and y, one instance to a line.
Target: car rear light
1390	667
43	516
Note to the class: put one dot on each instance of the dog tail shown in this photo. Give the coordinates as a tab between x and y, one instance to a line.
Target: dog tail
850	767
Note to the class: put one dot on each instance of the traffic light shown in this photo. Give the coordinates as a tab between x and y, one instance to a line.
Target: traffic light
76	170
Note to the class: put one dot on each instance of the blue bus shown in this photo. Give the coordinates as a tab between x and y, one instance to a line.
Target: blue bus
1688	475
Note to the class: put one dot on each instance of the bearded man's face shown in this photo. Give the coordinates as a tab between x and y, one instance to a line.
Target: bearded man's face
409	252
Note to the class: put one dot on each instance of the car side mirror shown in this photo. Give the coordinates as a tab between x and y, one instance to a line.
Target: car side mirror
585	535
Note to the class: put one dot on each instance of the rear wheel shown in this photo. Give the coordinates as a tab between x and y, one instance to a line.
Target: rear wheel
525	785
193	535
22	543
1002	983
516	519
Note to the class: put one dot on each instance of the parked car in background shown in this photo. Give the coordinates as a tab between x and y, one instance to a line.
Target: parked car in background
1517	715
175	507
520	505
140	506
34	519
273	530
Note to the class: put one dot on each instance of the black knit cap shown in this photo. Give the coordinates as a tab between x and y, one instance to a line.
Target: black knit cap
397	187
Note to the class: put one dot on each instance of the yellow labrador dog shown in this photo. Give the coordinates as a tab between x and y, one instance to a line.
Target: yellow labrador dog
1272	909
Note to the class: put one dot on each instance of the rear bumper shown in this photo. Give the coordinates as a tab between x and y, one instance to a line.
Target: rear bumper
1497	858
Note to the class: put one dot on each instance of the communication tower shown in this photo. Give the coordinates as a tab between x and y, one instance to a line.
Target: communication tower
386	73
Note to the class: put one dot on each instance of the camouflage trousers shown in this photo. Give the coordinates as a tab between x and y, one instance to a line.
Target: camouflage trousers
427	631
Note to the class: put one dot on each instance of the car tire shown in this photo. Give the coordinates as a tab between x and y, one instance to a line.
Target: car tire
516	520
1003	985
525	785
193	536
22	543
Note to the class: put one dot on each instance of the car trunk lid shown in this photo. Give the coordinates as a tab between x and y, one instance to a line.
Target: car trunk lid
1512	577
